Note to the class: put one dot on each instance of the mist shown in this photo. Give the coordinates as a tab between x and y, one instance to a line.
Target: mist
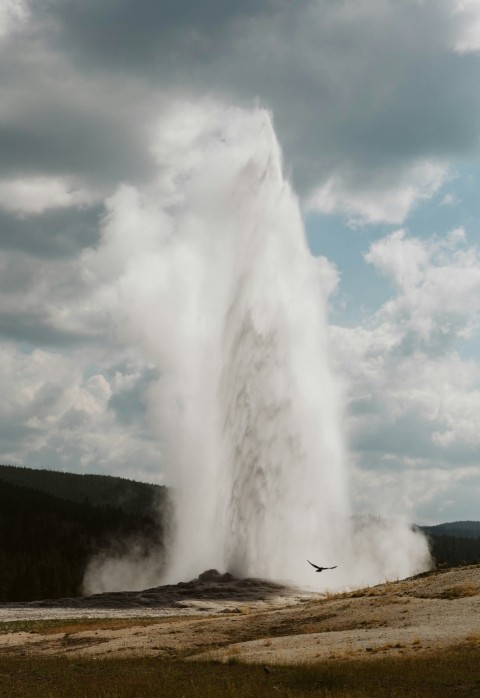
206	273
125	565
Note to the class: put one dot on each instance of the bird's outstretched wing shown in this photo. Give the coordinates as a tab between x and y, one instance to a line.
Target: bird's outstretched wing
316	566
320	569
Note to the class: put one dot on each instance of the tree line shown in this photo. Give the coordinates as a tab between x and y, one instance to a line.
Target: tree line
46	541
51	523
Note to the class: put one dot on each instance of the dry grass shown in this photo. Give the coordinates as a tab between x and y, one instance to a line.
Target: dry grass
455	672
379	617
53	627
459	591
385	647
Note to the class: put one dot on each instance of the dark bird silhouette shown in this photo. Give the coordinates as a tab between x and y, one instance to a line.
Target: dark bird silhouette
320	569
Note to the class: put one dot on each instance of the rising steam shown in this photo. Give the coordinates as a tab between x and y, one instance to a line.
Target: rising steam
208	273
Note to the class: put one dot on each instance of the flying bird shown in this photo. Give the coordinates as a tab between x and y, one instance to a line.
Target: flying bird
320	569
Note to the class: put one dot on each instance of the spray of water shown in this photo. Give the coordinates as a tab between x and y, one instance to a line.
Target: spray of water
209	275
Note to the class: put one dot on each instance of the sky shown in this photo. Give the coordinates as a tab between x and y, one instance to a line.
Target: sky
376	106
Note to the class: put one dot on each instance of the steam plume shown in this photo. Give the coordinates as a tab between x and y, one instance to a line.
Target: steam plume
209	275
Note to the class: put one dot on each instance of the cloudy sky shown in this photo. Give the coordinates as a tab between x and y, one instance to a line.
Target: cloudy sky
376	105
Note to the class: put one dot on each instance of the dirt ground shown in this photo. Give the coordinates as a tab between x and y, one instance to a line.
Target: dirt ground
284	626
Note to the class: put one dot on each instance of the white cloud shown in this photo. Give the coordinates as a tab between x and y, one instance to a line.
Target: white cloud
413	397
387	201
52	414
466	14
402	258
329	275
31	195
343	95
12	15
449	200
415	486
358	126
438	282
440	393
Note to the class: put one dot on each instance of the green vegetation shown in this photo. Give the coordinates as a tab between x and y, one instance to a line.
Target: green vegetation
459	529
46	541
51	523
453	544
452	551
97	490
456	543
50	626
442	675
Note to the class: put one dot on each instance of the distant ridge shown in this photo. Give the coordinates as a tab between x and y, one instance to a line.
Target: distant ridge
455	543
51	523
100	490
460	529
46	541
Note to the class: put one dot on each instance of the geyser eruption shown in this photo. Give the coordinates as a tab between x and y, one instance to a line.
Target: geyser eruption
273	463
209	274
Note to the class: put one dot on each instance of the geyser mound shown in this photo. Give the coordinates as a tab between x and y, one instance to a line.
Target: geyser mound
213	281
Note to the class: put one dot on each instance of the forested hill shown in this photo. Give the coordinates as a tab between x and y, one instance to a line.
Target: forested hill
51	523
455	543
99	490
462	529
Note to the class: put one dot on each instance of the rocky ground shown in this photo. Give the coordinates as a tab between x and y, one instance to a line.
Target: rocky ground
219	617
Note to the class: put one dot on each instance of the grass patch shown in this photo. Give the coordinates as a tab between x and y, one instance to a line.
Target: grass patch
78	625
459	591
455	672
